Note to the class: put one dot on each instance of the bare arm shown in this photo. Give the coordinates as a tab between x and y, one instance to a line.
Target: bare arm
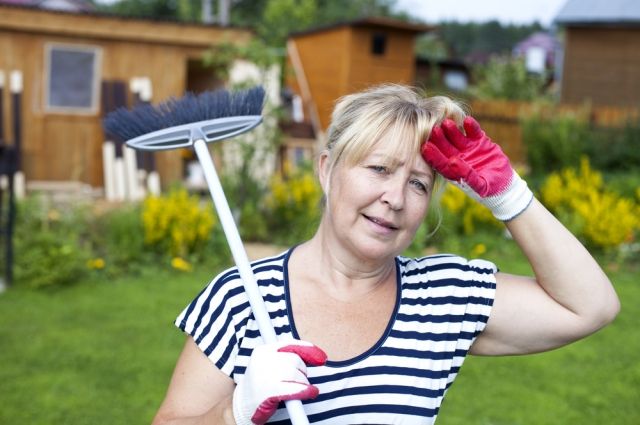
199	393
569	298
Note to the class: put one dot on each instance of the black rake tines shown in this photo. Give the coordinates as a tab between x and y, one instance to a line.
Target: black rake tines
125	124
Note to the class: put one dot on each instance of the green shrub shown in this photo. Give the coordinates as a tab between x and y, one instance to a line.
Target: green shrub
615	149
554	141
50	248
117	238
507	79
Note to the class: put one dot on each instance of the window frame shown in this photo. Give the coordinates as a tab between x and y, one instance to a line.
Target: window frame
94	108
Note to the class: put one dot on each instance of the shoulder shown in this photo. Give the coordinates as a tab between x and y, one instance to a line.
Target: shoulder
445	263
263	269
226	291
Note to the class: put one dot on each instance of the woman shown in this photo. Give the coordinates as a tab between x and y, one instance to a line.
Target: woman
395	330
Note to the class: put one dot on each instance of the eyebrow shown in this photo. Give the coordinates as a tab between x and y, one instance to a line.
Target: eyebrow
397	163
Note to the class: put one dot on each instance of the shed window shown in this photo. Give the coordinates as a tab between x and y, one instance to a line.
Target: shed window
378	43
72	78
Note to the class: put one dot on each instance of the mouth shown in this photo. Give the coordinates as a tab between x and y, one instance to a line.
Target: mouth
381	222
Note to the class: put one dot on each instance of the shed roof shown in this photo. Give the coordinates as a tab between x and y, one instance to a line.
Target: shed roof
384	22
599	12
113	27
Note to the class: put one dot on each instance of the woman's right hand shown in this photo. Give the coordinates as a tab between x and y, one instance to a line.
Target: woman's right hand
276	372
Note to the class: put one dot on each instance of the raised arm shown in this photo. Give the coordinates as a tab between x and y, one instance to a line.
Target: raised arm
569	297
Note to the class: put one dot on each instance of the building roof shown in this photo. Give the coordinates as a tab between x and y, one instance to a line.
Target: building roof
599	12
384	22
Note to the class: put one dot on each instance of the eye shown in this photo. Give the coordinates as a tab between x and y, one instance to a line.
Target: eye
422	187
379	169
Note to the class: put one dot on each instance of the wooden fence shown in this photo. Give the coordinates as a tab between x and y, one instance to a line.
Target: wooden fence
502	120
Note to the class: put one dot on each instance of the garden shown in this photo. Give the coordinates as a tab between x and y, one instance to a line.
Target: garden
86	328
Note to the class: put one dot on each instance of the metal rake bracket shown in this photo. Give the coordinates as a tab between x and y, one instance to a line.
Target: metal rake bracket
183	136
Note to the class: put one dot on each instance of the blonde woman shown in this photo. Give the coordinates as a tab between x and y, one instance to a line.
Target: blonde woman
393	331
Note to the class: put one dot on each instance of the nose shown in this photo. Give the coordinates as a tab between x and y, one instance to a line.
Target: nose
393	193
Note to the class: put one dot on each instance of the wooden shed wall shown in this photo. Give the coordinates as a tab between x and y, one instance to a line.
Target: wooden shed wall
325	58
396	65
602	66
66	146
339	61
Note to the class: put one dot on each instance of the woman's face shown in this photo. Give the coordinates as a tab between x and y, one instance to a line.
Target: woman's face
374	209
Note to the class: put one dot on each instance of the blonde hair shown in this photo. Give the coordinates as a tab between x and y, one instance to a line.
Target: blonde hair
394	112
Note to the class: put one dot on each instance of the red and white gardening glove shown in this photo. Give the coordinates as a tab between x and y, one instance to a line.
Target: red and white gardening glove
475	164
276	372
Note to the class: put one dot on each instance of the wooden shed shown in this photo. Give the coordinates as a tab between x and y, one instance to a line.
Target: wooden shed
329	62
65	58
601	62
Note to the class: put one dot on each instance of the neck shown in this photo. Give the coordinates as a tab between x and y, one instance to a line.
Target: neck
344	273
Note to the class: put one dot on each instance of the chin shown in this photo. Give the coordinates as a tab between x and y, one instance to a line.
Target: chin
377	250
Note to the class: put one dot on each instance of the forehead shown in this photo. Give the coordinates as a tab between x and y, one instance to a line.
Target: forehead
391	156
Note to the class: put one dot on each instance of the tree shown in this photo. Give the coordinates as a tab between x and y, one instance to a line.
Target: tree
506	78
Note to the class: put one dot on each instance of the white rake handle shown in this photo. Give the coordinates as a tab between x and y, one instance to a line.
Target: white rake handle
294	407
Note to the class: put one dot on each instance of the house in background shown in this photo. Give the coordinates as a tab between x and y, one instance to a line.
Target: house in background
601	63
538	51
452	74
66	59
329	62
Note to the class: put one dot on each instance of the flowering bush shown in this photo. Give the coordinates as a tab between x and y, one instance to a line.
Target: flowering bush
176	223
600	217
294	206
466	213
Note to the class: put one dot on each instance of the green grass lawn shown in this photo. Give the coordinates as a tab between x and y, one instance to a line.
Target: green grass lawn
102	353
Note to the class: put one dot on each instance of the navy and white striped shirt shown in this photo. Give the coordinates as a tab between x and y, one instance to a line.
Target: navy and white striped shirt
443	303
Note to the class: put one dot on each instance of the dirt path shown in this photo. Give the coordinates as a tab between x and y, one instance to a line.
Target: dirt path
256	251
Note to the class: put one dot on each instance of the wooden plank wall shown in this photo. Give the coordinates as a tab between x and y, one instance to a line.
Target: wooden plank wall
326	67
397	64
68	146
601	65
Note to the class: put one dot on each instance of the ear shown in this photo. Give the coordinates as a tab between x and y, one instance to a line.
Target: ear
323	170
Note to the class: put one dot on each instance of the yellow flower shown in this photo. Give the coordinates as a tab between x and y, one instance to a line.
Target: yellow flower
180	264
478	250
96	264
601	217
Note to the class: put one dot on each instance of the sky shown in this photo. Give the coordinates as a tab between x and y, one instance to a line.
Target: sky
505	11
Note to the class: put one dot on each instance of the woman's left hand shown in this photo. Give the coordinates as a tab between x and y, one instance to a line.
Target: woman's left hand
473	162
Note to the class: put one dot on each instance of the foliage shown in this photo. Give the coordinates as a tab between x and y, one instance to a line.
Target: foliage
176	224
507	78
488	38
294	207
49	245
615	148
602	218
430	46
182	10
117	238
466	215
553	140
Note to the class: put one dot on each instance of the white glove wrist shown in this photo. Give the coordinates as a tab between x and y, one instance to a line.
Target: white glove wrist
509	203
241	413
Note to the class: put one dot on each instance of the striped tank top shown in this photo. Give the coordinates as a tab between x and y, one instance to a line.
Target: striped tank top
443	303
